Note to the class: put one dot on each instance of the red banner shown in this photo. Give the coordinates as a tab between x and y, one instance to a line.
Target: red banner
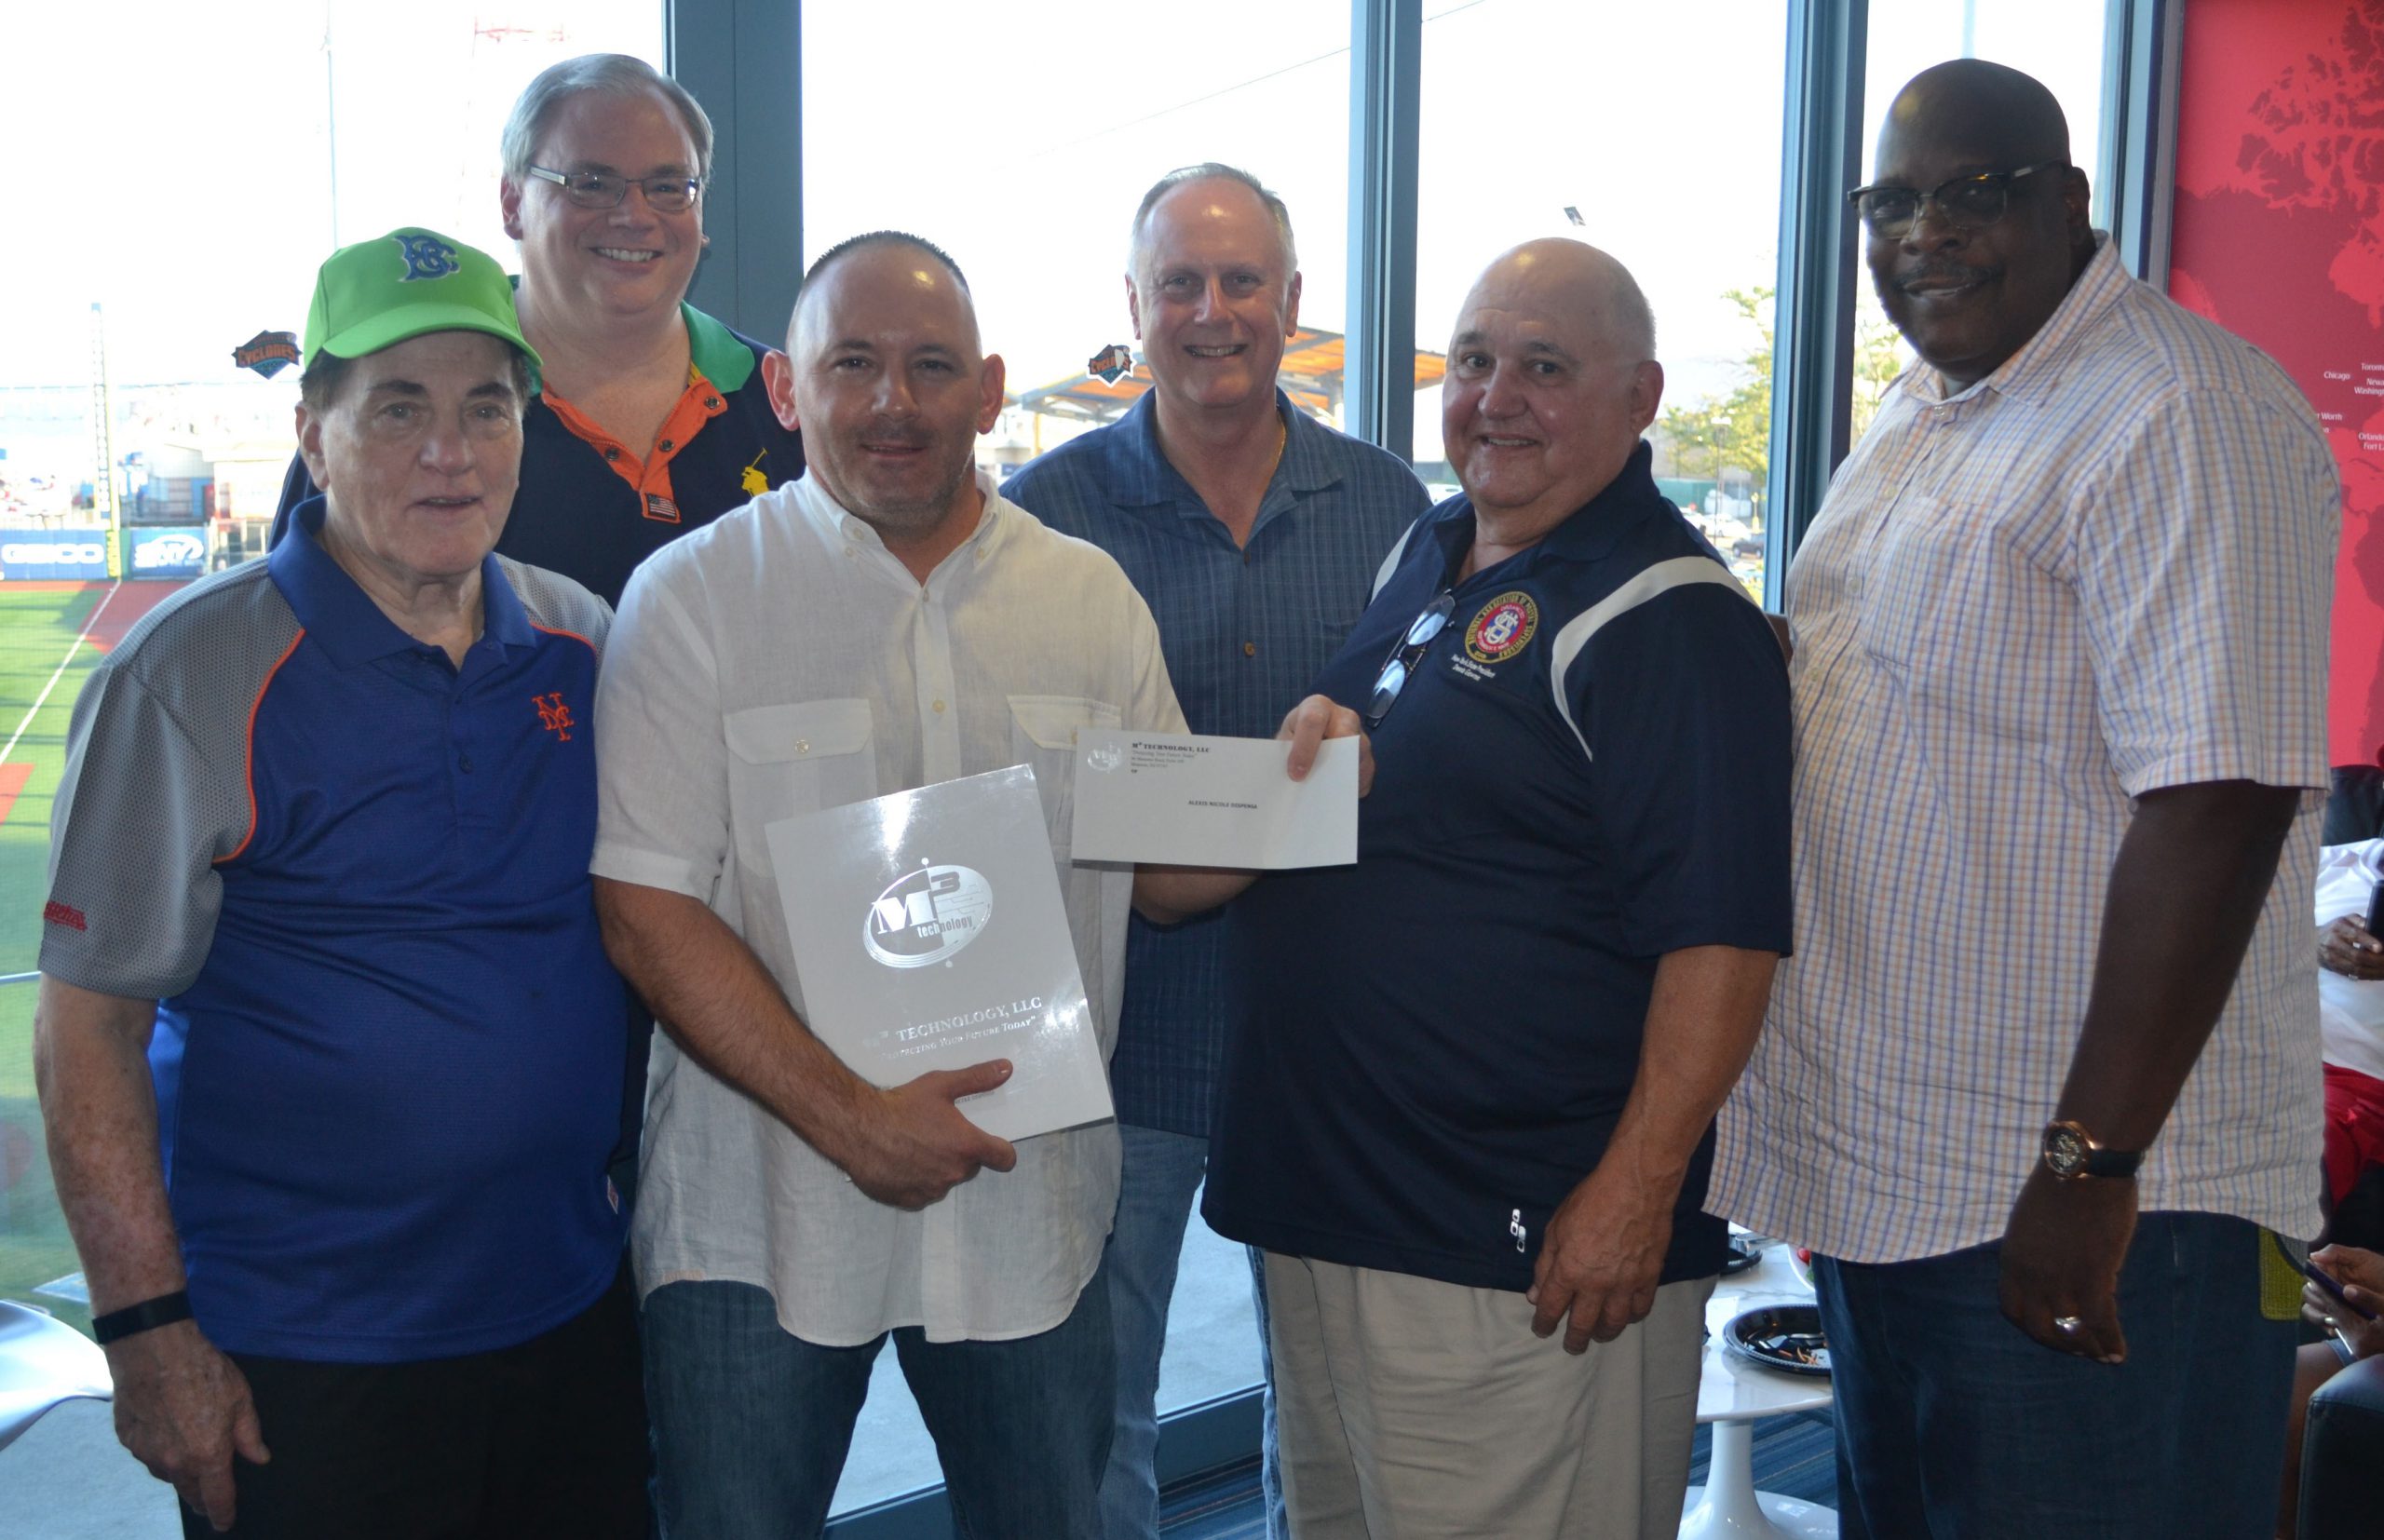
2279	238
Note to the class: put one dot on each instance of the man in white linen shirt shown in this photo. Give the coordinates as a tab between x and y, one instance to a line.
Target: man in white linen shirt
887	622
2060	690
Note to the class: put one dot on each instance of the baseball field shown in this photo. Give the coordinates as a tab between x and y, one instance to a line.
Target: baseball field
51	635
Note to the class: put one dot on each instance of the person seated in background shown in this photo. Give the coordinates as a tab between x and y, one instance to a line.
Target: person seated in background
2351	1020
2350	1338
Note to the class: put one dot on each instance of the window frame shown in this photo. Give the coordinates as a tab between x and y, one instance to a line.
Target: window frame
743	59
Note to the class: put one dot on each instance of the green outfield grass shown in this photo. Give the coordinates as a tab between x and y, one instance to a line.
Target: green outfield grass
37	626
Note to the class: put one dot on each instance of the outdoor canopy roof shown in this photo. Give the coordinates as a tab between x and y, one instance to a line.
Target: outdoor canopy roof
1311	375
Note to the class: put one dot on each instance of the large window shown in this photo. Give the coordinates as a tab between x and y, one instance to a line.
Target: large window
194	168
1022	149
1590	118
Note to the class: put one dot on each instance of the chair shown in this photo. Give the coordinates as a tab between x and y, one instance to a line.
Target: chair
2342	1455
44	1361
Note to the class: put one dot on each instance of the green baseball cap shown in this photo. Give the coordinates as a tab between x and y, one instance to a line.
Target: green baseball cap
377	293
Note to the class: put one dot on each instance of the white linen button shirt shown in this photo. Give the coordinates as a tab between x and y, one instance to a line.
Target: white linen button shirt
779	661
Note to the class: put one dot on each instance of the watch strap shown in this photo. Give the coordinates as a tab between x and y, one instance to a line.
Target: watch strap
164	1310
2102	1162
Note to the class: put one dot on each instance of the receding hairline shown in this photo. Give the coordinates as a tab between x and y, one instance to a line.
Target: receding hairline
874	240
1620	306
1269	201
2005	114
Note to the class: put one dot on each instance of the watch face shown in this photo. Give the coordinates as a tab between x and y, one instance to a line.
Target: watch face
2064	1152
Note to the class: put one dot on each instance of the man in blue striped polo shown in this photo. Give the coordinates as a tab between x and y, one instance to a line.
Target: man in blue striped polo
1253	531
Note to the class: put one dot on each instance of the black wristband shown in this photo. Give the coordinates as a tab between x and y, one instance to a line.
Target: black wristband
147	1316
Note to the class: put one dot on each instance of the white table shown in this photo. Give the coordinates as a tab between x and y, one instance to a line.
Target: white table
1732	1396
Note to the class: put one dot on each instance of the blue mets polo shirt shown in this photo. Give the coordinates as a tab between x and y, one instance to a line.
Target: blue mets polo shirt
388	1043
1587	769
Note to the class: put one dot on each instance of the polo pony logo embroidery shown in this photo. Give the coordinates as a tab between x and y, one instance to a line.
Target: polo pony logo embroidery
426	257
554	716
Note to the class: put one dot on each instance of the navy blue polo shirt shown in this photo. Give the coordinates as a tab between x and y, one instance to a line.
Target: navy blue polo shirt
388	1042
1430	1050
577	514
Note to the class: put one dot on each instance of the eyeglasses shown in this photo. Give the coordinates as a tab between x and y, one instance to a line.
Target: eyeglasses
603	189
1965	203
1403	657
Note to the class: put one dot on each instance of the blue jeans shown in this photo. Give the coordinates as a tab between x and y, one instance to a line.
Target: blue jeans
752	1424
1953	1423
1163	1175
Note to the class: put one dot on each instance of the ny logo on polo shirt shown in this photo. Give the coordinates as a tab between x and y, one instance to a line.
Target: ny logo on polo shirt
554	716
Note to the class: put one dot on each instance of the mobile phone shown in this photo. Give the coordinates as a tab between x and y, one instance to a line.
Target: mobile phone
2317	1274
2376	910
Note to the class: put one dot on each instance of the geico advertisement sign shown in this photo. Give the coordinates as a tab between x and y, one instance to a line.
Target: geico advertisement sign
53	553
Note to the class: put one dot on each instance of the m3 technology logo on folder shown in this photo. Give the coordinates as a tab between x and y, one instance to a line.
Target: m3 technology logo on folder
925	916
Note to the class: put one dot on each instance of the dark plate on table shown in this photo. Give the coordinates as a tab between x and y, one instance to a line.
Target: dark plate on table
1786	1337
1743	1252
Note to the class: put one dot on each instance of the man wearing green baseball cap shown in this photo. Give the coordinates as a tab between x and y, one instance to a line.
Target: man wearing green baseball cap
320	948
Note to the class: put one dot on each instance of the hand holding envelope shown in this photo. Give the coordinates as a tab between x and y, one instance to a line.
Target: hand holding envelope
1246	804
1313	722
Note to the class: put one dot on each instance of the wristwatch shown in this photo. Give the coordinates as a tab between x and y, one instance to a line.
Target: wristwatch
2071	1154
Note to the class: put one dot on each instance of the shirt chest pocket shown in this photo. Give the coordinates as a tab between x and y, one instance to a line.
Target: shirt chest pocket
1927	560
1043	734
784	760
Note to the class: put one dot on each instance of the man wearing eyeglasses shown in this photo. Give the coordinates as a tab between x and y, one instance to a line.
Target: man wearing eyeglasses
1469	1084
2048	1059
648	417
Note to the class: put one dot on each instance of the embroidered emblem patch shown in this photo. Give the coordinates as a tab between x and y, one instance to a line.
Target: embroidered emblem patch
754	480
660	509
426	257
554	716
1502	628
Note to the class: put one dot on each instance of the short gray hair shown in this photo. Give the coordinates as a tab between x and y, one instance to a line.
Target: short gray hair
1633	321
611	73
1216	171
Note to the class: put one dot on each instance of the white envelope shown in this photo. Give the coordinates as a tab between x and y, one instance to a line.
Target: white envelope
929	934
1183	799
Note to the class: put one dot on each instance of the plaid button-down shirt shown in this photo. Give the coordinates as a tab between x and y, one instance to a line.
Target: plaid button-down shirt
1246	631
2100	571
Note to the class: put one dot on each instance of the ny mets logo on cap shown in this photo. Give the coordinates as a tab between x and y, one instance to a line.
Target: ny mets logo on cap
1502	628
427	257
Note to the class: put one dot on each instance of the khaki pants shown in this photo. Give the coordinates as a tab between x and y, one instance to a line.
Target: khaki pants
1413	1410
